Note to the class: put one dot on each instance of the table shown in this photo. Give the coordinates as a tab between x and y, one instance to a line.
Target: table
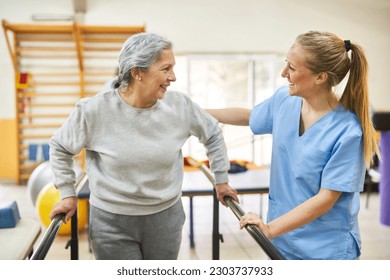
17	243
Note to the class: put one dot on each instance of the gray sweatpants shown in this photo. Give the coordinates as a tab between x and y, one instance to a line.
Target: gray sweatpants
150	237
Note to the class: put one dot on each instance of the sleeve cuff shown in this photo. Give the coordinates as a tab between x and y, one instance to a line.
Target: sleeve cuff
67	192
221	177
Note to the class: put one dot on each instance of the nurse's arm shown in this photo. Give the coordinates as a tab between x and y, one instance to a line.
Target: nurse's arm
304	213
233	116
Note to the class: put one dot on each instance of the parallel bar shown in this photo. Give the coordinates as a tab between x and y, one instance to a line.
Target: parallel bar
74	234
192	241
47	240
215	235
52	231
74	240
253	230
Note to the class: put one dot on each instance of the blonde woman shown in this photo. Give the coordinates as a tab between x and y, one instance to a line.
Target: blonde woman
321	148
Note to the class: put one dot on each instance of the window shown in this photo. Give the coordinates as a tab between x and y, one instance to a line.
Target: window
220	81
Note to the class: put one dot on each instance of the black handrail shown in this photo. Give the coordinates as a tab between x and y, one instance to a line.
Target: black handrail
47	240
267	246
51	232
254	231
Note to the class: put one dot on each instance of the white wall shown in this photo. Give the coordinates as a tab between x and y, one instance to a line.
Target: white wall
260	26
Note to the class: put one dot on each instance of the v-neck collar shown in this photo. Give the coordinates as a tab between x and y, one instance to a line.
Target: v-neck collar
300	123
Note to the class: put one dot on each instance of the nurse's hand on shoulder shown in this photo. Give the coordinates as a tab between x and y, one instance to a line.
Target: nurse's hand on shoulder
254	219
225	190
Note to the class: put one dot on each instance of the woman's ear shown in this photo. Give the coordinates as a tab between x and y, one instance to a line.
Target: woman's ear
321	78
135	73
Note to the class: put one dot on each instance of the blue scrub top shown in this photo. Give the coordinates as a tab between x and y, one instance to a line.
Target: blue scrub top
328	155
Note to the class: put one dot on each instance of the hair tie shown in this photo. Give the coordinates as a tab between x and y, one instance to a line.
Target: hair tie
347	44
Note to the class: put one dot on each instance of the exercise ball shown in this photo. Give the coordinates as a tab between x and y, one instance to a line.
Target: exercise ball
41	176
48	196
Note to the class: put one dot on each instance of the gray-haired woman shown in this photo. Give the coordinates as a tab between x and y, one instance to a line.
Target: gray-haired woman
133	135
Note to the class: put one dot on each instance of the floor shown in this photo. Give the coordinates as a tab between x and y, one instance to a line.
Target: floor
237	245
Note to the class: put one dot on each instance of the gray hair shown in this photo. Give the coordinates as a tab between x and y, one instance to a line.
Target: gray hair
139	51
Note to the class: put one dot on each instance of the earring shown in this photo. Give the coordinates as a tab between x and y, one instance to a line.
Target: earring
139	78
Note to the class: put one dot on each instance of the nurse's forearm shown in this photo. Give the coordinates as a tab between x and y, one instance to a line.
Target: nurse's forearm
233	116
304	213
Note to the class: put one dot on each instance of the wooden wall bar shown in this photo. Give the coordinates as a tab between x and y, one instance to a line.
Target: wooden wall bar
55	66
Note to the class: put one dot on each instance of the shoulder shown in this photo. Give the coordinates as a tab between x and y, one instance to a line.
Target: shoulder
347	122
177	97
182	104
278	100
282	92
88	103
97	105
343	129
282	95
174	94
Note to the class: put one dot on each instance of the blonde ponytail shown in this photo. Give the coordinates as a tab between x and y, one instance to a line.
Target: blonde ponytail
356	99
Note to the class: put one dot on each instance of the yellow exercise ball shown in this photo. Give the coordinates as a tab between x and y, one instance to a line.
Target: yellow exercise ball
47	197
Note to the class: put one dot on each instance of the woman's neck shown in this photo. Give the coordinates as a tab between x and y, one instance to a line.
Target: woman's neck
321	102
135	99
314	109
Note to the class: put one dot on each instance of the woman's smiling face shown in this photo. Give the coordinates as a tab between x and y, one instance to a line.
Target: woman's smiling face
158	77
300	78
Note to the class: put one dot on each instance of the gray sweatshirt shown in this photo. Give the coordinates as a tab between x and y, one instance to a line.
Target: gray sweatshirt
133	156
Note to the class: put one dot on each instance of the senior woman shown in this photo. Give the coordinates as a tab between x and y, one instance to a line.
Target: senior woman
133	135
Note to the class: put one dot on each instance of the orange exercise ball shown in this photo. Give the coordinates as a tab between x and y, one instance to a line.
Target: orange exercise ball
47	197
